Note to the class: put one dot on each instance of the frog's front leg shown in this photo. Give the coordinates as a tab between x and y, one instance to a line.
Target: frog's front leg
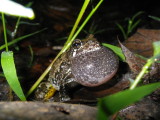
65	87
62	77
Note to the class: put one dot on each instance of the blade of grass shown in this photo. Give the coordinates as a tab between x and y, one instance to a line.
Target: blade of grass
122	30
113	103
32	55
116	50
134	26
86	20
41	78
154	18
13	34
85	4
156	48
4	29
8	66
141	74
136	15
147	65
130	22
69	42
21	38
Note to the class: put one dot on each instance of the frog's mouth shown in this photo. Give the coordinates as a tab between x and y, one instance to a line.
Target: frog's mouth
88	48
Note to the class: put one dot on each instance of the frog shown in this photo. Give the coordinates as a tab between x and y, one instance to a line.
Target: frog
85	63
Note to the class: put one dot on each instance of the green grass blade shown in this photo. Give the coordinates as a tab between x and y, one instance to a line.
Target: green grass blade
130	22
32	56
122	30
136	15
85	21
134	26
69	42
113	103
156	48
21	38
5	35
148	64
8	66
83	9
155	18
116	50
142	72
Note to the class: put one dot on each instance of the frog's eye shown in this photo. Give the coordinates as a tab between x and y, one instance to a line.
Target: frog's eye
77	44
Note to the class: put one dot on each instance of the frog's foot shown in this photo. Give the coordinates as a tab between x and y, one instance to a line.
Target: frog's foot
64	98
44	91
63	95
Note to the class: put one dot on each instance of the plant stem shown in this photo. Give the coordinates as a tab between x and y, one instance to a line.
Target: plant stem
4	31
16	28
143	71
20	38
87	19
31	52
68	43
85	4
40	78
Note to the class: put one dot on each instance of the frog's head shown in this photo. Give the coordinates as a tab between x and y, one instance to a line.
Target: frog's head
87	45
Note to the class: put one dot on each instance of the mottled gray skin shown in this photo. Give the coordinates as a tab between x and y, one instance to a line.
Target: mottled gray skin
60	73
86	62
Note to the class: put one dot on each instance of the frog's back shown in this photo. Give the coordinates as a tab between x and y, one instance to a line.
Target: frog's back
59	71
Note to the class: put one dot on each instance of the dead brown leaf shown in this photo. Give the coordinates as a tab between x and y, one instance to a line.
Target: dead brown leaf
141	41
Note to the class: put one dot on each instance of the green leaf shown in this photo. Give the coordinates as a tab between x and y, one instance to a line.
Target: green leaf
156	48
116	50
10	73
21	38
122	30
136	15
113	103
155	18
134	25
32	55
